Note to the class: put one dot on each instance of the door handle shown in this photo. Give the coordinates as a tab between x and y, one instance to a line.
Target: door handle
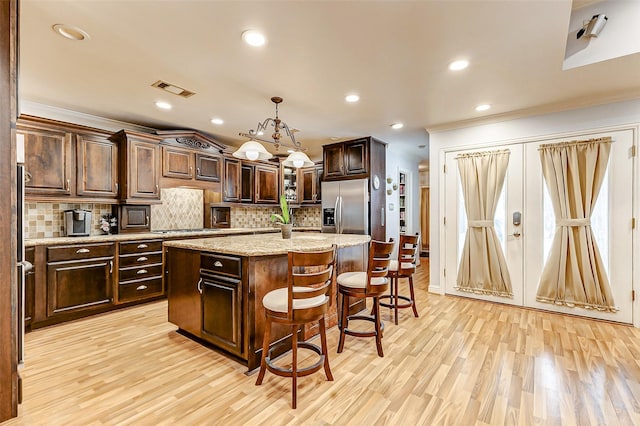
516	234
199	286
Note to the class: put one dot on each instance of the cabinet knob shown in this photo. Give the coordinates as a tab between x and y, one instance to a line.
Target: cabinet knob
141	287
142	271
83	250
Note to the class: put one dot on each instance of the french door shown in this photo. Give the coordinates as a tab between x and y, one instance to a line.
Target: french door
525	225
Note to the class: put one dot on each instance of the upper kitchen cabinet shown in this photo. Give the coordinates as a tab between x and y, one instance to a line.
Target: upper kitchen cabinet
63	160
266	184
190	156
358	158
232	172
311	184
139	167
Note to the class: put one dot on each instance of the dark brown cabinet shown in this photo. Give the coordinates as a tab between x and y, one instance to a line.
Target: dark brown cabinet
97	167
140	271
222	311
139	167
183	290
266	178
248	184
48	161
346	159
208	167
310	184
79	278
231	181
177	163
133	218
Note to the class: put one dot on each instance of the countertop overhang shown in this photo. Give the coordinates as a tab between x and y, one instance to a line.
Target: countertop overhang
269	244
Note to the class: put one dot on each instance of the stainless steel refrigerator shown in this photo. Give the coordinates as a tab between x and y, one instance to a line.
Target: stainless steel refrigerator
345	206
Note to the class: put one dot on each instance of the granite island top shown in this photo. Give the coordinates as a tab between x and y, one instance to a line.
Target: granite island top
269	244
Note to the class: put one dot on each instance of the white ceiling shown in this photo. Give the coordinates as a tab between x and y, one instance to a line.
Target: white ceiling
394	54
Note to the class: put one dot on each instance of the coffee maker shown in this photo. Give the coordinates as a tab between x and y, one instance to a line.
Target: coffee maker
77	223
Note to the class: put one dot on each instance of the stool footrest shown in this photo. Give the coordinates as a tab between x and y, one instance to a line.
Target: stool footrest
399	305
288	372
363	333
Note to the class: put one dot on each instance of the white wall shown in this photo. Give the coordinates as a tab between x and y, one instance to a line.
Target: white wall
558	124
398	160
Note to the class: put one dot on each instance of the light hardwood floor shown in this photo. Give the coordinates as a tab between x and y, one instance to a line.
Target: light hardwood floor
462	362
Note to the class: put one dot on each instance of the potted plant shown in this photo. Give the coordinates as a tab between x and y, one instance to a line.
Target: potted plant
284	218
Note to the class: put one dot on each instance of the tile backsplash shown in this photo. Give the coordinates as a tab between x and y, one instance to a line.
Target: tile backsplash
181	208
260	217
46	220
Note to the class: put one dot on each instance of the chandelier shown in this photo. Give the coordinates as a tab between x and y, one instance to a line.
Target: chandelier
254	150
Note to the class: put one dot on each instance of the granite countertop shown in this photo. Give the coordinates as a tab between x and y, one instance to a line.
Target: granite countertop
269	244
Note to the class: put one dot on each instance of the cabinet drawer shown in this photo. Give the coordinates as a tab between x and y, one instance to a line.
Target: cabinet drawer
140	272
220	264
140	246
140	259
79	251
140	289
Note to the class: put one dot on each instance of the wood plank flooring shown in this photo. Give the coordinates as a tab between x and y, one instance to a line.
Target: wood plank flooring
463	362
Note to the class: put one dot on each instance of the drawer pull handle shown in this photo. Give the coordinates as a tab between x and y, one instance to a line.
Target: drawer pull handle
83	250
142	271
199	286
142	259
217	264
141	246
111	266
141	287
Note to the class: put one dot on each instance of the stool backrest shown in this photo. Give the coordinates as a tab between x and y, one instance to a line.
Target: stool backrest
408	252
378	265
315	271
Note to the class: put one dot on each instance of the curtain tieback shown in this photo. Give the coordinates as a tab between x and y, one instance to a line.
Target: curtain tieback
574	222
480	223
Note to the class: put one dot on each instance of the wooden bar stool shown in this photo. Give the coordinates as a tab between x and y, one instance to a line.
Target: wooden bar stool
404	267
305	299
370	283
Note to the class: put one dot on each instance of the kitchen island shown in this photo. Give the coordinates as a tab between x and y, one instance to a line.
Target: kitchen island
215	286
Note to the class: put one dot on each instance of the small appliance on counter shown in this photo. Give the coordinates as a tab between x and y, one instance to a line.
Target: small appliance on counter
77	223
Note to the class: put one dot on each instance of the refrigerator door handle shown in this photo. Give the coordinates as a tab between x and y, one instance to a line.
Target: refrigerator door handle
340	221
382	216
336	215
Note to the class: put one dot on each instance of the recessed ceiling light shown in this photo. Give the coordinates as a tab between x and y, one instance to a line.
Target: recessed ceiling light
163	105
397	126
483	107
352	98
217	121
458	65
70	32
254	38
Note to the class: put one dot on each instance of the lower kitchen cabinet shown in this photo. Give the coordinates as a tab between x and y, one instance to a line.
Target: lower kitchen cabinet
183	290
79	278
140	272
222	311
29	288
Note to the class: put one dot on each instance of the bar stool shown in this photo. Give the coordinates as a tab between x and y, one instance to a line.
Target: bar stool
404	267
370	283
305	299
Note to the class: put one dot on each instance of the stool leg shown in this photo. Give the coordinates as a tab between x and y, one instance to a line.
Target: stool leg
413	298
265	351
325	351
395	300
344	322
376	305
294	366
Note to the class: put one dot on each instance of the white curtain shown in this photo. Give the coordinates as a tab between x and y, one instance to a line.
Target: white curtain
483	268
574	273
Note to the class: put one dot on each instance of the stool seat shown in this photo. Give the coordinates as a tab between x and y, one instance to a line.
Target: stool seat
406	266
359	280
278	300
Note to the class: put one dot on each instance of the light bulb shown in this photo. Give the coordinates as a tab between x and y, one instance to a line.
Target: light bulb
298	163
252	155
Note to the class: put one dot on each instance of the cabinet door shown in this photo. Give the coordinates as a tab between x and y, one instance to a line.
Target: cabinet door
308	185
134	218
47	162
266	184
247	182
78	286
356	157
143	170
183	284
177	163
208	167
290	184
29	288
319	175
333	158
97	167
222	313
232	171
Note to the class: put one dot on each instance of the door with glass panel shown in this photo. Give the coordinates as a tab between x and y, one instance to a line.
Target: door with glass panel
563	220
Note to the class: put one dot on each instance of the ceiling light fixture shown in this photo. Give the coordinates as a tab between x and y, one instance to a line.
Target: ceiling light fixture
458	65
397	126
483	107
254	38
217	121
352	98
163	105
70	32
253	150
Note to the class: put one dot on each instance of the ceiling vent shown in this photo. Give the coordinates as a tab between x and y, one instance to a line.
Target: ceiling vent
172	88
